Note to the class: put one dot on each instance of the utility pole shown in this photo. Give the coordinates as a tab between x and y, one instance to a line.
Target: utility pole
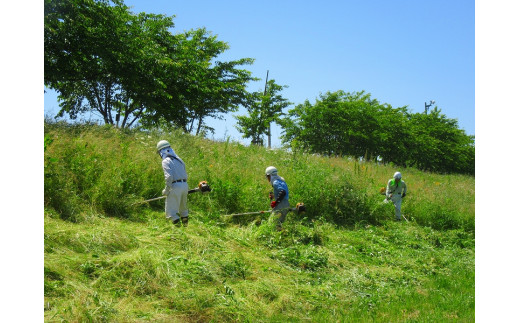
426	106
269	127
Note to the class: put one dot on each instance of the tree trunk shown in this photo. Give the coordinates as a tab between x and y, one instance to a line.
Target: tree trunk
199	126
269	136
137	116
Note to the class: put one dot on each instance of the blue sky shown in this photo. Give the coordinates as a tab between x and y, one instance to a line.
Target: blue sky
404	53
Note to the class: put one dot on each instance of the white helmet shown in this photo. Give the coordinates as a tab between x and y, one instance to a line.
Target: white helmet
271	170
397	175
162	144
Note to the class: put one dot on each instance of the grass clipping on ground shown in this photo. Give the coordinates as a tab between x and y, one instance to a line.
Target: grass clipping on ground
344	260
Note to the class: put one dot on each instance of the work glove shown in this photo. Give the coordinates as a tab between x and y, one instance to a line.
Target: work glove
404	194
166	191
273	204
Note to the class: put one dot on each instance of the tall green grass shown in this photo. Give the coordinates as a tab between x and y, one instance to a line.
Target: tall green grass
102	170
344	260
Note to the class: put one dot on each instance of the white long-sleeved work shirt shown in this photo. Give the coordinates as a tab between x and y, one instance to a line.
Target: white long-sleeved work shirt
393	188
174	169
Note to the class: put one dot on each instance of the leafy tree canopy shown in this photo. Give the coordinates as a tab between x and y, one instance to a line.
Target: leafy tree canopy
354	124
101	57
263	108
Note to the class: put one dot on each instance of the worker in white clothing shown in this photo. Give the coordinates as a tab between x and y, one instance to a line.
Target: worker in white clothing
395	191
176	180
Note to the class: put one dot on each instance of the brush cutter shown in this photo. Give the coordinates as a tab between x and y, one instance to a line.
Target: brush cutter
202	187
300	208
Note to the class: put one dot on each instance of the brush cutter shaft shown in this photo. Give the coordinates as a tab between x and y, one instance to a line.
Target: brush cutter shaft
164	196
248	213
299	208
154	199
203	187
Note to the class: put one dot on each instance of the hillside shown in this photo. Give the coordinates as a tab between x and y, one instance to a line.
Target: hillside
345	259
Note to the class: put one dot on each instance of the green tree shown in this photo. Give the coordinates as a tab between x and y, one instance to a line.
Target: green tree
353	124
339	123
101	57
439	145
263	108
199	86
393	134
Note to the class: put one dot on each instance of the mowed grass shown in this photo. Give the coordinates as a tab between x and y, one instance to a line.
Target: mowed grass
344	260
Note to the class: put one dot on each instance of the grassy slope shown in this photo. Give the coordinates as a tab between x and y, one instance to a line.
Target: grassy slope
346	260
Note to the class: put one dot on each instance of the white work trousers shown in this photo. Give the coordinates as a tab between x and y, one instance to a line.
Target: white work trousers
397	199
177	201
